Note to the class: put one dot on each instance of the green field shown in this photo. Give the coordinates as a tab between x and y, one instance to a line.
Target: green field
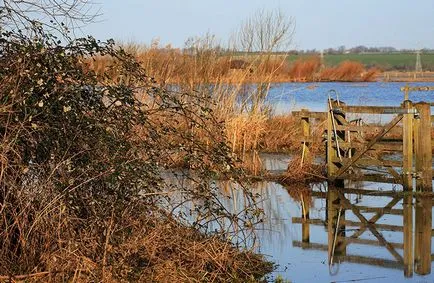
385	61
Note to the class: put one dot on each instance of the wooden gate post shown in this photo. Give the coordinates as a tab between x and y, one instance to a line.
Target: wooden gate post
407	147
423	149
333	150
305	226
408	234
305	128
336	225
423	219
409	128
422	243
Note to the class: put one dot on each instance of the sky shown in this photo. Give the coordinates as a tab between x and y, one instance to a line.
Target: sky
320	24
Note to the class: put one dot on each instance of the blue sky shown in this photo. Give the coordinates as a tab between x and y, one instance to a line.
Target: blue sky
319	24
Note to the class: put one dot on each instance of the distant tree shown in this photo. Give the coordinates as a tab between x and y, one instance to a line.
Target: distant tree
265	31
341	49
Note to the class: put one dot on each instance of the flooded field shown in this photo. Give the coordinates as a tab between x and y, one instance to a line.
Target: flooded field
300	232
286	97
299	238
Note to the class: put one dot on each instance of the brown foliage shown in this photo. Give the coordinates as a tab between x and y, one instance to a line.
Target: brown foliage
346	71
305	69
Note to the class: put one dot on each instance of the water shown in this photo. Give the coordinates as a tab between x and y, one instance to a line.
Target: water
287	97
300	243
305	257
280	237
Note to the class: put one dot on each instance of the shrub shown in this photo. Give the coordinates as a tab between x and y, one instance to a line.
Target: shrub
82	157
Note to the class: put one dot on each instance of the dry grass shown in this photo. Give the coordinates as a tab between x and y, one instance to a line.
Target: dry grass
148	249
209	66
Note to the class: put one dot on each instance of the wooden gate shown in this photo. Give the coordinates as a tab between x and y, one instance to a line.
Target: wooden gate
355	148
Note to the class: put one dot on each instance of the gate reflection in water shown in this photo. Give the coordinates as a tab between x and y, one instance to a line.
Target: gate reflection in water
349	222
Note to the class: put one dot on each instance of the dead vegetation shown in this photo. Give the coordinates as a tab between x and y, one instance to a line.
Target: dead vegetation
82	198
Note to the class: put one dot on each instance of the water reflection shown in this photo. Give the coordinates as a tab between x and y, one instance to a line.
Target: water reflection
406	242
368	231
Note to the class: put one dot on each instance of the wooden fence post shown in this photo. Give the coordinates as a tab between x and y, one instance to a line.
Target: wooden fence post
336	225
333	150
423	149
305	127
408	234
407	147
423	225
305	226
422	243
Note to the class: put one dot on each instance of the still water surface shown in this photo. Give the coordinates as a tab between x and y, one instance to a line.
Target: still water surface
294	96
303	251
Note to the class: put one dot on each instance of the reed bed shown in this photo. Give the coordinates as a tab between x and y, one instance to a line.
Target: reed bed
204	63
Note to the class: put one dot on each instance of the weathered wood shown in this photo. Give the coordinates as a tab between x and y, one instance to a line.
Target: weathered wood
407	223
407	151
359	154
372	162
350	223
364	192
367	242
383	210
371	261
417	88
370	109
310	114
423	234
367	128
336	226
379	178
387	263
305	227
334	138
376	217
310	246
423	149
380	146
305	127
372	228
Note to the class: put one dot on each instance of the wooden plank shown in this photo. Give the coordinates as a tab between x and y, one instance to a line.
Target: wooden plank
384	210
407	144
332	144
350	223
380	178
370	109
367	242
373	228
351	258
407	222
377	216
380	146
417	88
423	235
379	262
359	154
372	162
366	128
423	149
310	114
310	246
364	192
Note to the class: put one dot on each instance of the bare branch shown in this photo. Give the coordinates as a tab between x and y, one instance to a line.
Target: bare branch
59	15
265	32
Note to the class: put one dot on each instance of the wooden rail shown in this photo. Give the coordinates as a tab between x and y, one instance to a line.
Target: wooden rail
351	144
416	253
